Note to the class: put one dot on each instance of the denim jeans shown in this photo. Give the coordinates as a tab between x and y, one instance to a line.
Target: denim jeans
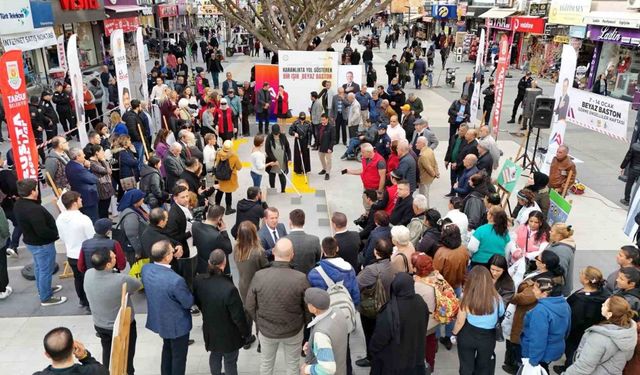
44	258
16	234
257	179
91	212
140	152
230	363
215	79
352	145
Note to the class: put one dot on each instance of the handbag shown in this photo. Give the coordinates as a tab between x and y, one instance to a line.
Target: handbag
127	183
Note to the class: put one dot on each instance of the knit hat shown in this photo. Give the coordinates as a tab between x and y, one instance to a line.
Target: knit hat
317	298
102	226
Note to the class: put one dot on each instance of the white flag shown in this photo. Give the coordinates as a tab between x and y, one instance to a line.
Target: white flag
122	74
143	64
75	74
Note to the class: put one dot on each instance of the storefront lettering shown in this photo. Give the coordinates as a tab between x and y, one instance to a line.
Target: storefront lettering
610	33
499	23
79	4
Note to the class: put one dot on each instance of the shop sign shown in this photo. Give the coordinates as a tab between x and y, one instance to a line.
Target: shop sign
577	31
499	23
41	13
615	21
528	25
443	12
563	39
127	24
617	35
147	11
15	16
572	12
79	4
538	10
165	11
503	3
34	39
463	6
208	10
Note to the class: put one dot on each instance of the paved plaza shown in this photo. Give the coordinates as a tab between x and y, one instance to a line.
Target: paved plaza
596	217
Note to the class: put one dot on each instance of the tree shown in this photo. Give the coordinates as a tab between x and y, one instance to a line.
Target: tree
293	24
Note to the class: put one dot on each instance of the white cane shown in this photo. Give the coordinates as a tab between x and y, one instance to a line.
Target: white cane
292	185
304	169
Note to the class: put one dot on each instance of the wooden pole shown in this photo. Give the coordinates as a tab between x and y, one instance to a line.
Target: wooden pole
121	331
53	185
164	121
144	143
566	186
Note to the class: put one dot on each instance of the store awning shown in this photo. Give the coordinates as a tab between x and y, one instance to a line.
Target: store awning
477	11
123	8
629	20
498	13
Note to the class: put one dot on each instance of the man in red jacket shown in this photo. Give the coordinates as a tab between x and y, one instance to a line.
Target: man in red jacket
226	121
373	168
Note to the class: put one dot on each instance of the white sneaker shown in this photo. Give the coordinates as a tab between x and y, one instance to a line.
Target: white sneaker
56	288
11	253
53	301
6	293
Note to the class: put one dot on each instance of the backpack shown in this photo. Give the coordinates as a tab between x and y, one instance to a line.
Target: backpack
372	299
447	304
340	299
222	170
119	235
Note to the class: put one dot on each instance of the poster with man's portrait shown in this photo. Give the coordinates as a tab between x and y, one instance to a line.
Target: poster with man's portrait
350	78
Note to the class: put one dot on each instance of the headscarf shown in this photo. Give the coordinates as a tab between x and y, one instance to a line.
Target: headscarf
402	287
540	181
130	198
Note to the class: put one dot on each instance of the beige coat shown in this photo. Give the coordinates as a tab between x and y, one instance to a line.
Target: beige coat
427	166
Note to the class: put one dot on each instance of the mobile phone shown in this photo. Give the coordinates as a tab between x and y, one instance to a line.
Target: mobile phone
203	184
344	171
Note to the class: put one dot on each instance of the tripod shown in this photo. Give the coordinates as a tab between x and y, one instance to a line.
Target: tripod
530	162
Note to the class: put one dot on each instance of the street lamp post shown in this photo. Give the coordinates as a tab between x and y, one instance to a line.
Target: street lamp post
408	25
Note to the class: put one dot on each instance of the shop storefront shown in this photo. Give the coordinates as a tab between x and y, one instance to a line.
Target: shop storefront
146	17
121	14
80	18
618	57
530	45
167	17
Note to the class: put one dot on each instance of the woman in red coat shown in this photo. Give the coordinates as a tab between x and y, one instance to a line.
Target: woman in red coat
282	106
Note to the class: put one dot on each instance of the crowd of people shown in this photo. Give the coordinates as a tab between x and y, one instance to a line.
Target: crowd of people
413	279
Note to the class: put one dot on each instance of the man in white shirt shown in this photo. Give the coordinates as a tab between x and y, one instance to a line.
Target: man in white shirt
395	131
74	228
157	93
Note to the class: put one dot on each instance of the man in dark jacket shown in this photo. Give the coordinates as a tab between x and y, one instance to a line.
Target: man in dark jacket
276	302
61	349
99	241
349	243
155	232
249	209
485	161
40	234
403	210
459	112
84	182
135	125
179	218
419	70
209	235
62	99
381	231
224	324
39	122
456	142
392	69
262	108
47	109
406	169
326	141
489	98
523	85
631	160
470	146
306	246
462	187
367	58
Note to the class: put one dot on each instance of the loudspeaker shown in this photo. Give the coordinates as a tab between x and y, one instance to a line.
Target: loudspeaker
542	112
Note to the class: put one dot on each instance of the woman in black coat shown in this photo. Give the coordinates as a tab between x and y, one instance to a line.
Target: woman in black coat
224	324
277	149
301	131
397	344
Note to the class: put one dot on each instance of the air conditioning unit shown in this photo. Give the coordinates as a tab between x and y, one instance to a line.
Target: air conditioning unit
633	4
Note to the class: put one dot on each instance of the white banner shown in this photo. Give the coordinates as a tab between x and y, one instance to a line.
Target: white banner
603	114
62	58
561	106
38	38
15	16
143	64
301	72
122	74
478	72
75	74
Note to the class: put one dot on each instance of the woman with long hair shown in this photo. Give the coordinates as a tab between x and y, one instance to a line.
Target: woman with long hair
101	168
480	310
547	266
545	326
118	127
562	243
161	147
605	348
501	279
249	257
126	160
423	266
531	236
586	304
491	238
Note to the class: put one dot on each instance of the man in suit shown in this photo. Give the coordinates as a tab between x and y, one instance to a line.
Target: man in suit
349	244
470	146
422	130
563	103
156	232
271	231
173	165
350	86
408	121
225	328
179	229
459	112
83	181
306	247
326	141
339	109
168	304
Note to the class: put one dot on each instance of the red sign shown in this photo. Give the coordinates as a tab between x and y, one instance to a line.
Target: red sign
499	23
127	24
79	4
16	105
501	74
533	25
165	11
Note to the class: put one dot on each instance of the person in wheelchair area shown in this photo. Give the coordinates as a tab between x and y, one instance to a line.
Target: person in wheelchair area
367	134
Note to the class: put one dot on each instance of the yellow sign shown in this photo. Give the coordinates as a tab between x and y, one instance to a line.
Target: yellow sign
564	39
565	12
208	10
